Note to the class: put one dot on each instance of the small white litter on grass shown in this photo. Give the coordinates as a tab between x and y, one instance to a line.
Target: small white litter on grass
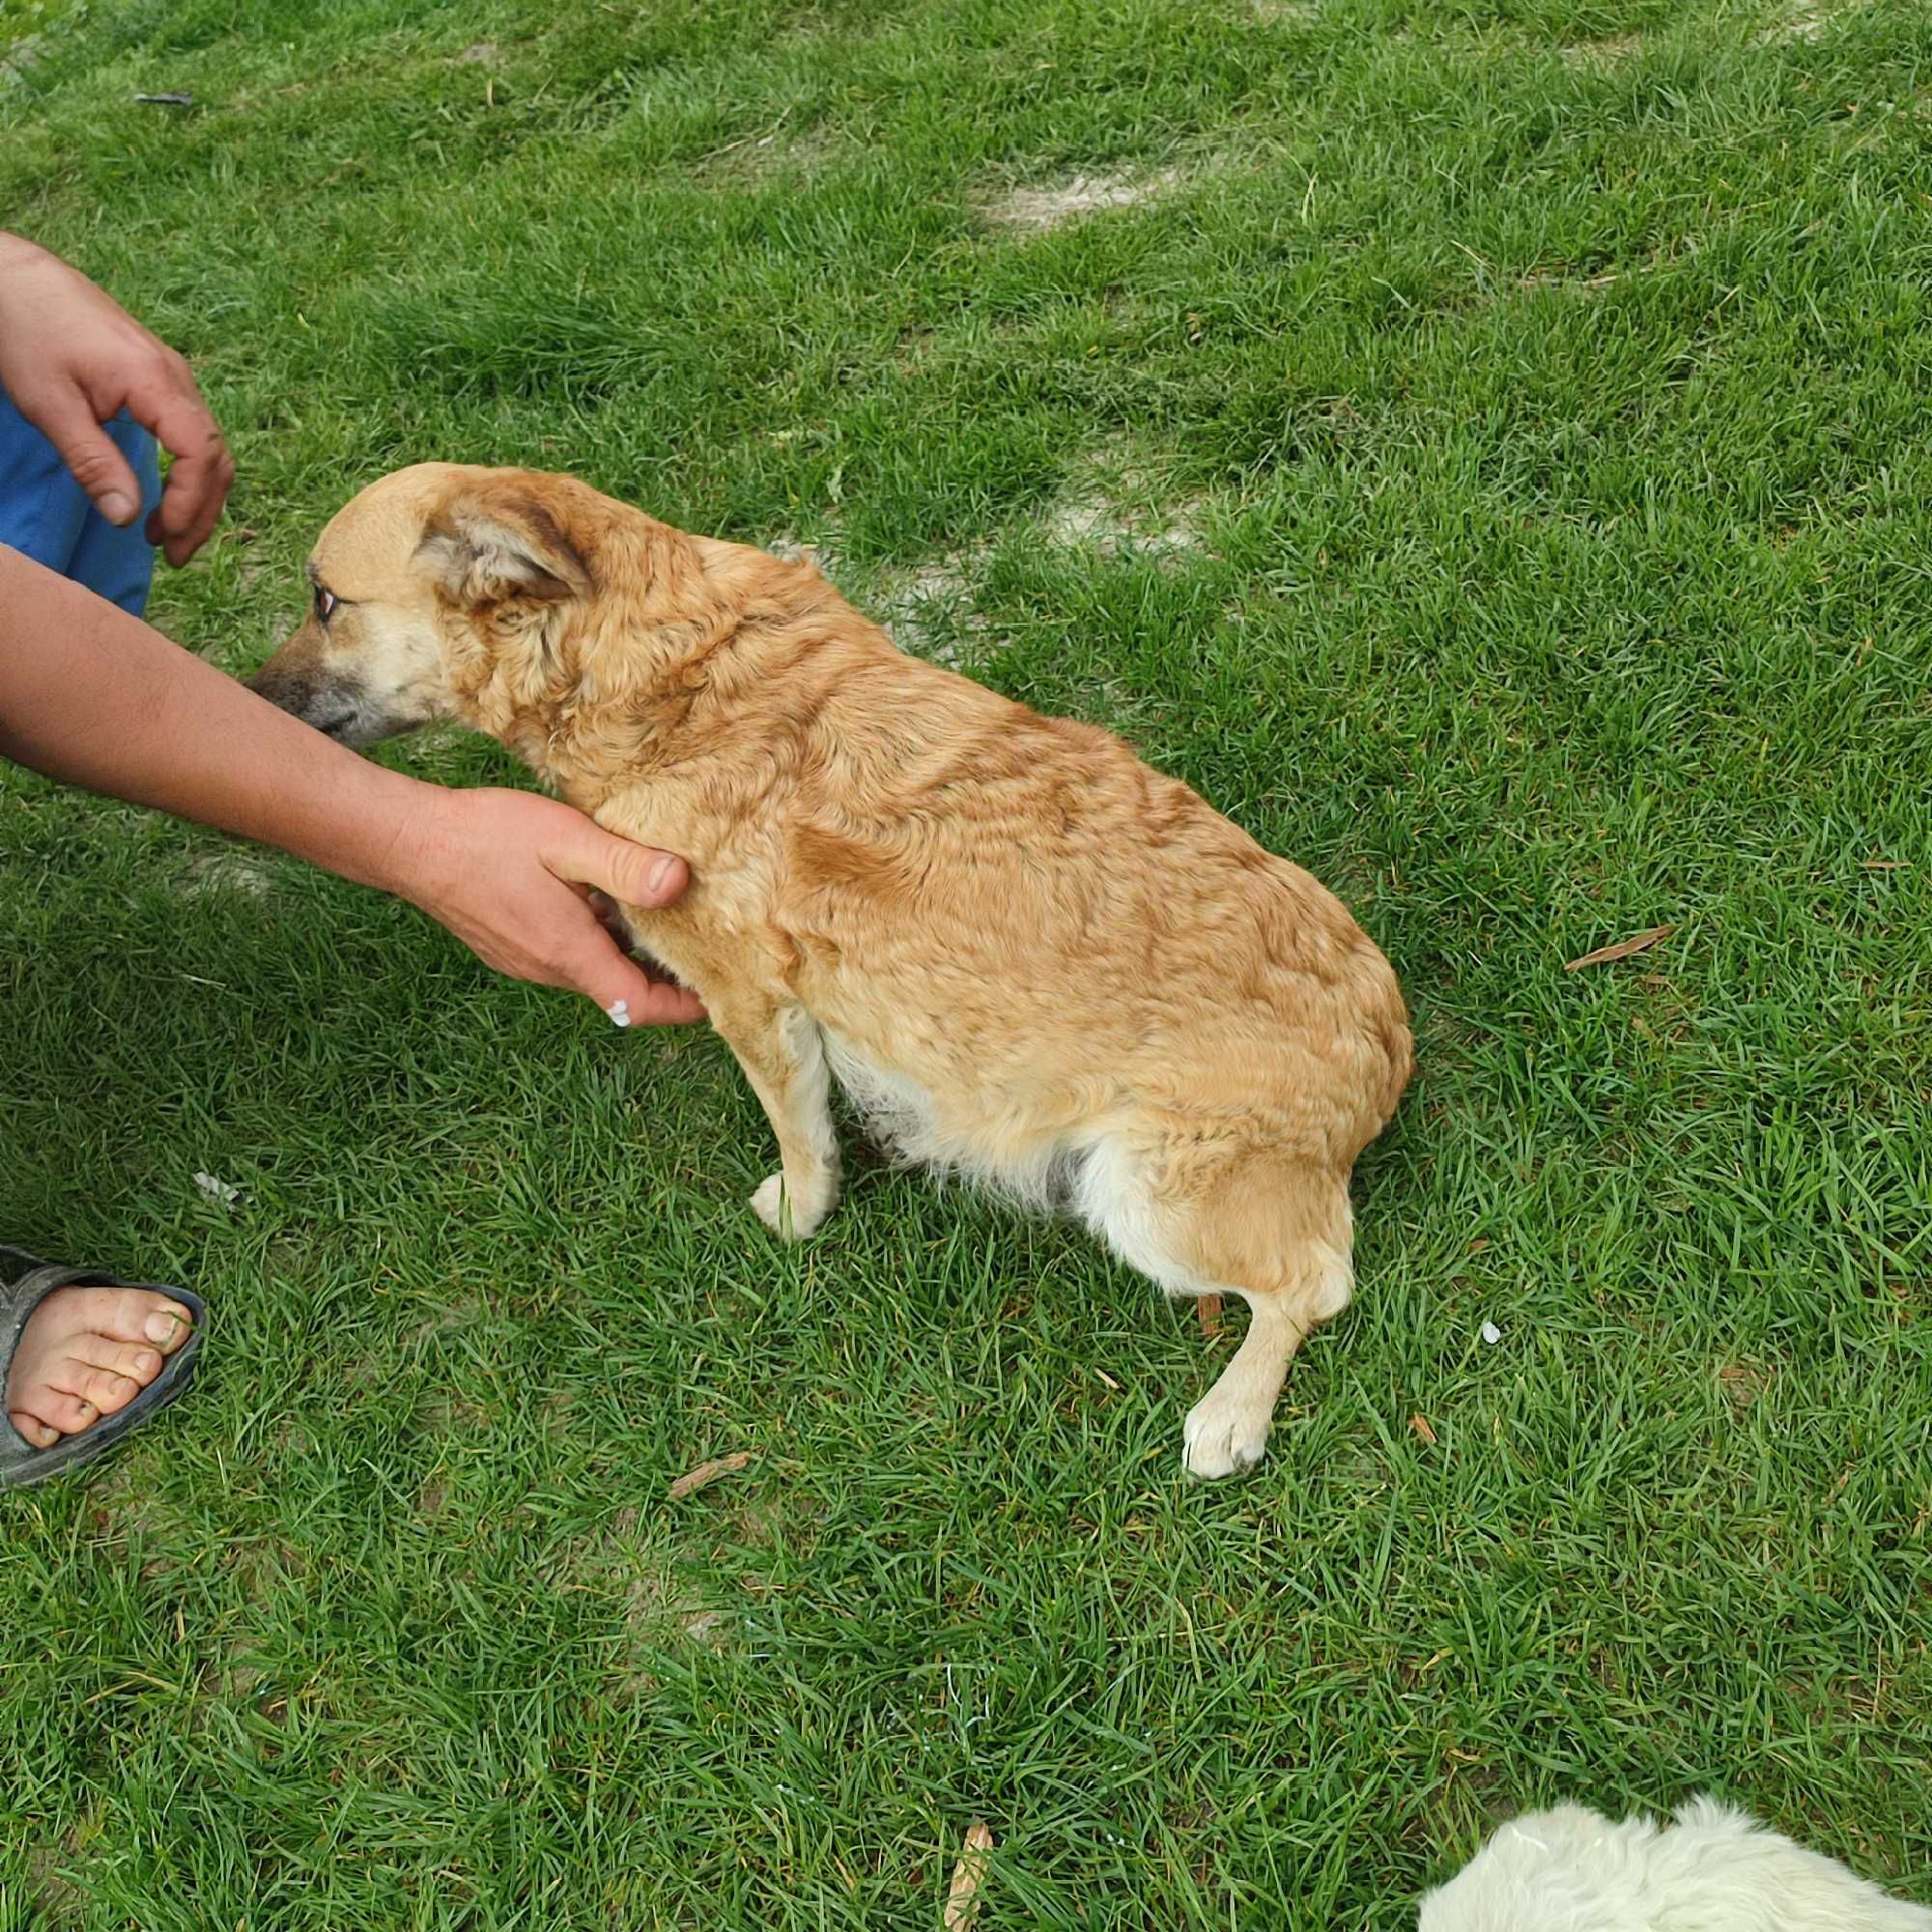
225	1192
1492	1334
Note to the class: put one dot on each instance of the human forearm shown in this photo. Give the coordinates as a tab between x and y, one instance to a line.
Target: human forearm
98	698
92	695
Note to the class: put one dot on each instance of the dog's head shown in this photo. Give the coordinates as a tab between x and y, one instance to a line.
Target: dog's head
442	591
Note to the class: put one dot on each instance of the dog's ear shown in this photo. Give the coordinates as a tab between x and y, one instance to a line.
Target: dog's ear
488	549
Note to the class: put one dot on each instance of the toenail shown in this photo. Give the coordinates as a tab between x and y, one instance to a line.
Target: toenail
162	1326
147	1364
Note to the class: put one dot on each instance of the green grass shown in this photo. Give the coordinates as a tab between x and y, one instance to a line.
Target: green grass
1543	384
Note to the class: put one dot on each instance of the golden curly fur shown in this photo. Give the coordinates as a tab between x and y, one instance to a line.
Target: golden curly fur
1030	958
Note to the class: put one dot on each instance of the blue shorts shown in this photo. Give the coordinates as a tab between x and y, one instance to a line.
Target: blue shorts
46	514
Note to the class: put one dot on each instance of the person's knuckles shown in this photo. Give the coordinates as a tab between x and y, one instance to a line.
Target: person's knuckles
107	1390
643	877
96	467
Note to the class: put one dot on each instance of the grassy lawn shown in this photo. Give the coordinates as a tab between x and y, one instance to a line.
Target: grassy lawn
1485	447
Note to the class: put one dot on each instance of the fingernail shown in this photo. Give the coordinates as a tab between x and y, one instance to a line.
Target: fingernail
620	1012
162	1326
659	874
116	508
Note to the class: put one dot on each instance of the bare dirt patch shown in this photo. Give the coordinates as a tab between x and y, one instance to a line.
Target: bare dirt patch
1034	209
20	60
1605	53
1110	504
658	1615
777	155
1743	1383
1805	20
53	1892
220	875
928	607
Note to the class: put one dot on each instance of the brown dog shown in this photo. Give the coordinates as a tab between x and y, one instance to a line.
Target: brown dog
1029	958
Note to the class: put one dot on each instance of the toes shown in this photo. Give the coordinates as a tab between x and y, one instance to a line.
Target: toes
792	1215
102	1388
136	1360
88	1352
65	1412
782	1212
137	1314
768	1202
1213	1446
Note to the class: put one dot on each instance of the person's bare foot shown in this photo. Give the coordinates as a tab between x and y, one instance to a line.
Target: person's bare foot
86	1352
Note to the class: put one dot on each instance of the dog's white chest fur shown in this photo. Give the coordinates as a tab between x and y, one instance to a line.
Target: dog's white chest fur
897	1113
908	1122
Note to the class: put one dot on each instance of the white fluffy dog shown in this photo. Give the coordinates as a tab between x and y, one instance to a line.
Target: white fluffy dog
1572	1870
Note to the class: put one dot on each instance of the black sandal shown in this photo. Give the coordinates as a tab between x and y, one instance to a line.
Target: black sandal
26	1281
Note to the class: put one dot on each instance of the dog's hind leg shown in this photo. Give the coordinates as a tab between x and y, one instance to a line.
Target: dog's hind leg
783	1058
1230	1219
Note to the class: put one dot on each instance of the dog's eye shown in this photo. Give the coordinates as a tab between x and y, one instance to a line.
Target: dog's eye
325	604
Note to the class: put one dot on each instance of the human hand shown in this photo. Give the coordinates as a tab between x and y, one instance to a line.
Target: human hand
72	357
510	873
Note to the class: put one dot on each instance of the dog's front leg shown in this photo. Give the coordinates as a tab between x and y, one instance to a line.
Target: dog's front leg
779	1049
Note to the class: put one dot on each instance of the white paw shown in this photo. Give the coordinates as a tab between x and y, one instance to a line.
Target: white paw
784	1214
1222	1437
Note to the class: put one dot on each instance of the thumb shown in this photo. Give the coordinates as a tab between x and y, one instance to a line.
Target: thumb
66	421
638	876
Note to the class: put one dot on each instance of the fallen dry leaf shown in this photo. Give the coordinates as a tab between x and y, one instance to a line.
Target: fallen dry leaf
1108	1379
1640	942
1419	1426
707	1473
963	1896
1207	1312
1883	864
